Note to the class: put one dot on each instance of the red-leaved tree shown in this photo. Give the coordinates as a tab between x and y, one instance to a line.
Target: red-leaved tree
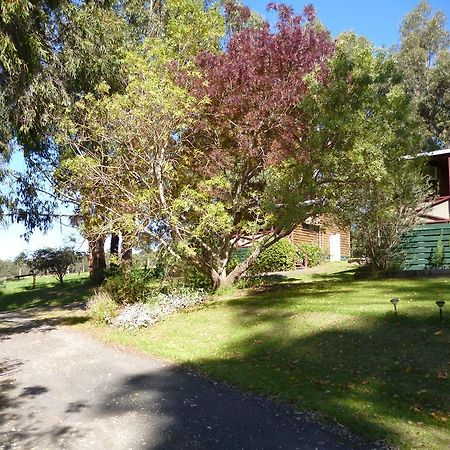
248	135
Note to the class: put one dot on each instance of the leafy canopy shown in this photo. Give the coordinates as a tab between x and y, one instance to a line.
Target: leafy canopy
424	59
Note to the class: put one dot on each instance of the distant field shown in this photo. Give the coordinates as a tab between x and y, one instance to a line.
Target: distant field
20	295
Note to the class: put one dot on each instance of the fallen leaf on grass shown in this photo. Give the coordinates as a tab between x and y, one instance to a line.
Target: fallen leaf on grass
439	415
416	408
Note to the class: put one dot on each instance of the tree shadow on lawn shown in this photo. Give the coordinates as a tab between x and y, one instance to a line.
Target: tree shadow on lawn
47	295
344	275
374	373
418	289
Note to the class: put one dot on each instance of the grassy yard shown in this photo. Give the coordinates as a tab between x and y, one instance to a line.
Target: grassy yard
324	342
48	292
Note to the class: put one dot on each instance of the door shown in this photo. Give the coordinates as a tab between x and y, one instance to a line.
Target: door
335	247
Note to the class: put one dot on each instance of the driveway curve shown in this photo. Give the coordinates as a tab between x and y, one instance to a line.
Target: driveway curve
61	389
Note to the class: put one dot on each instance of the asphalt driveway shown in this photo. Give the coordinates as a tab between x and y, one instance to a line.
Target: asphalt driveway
61	389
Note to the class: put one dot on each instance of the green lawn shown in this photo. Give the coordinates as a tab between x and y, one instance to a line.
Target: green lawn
323	342
48	292
326	343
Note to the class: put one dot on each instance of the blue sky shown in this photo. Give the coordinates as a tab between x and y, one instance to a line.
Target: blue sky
379	20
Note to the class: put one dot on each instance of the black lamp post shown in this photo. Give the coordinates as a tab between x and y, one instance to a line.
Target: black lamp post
394	301
440	304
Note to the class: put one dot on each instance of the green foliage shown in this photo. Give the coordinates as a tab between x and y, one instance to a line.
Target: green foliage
374	124
312	253
278	257
238	255
191	28
424	59
176	273
131	285
155	132
175	141
438	256
8	268
195	279
51	53
160	270
102	308
53	261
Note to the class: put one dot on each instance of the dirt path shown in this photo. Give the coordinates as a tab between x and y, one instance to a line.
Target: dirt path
60	389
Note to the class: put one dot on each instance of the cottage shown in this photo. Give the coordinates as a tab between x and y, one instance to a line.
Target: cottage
433	229
332	239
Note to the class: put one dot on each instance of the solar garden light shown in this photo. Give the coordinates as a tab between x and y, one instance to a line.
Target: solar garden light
394	301
440	304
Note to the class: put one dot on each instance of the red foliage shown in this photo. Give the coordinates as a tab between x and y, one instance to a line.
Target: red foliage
255	87
242	13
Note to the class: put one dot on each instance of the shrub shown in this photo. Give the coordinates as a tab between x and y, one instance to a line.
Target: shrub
278	257
131	285
312	252
162	305
438	257
180	298
134	316
101	307
178	273
192	278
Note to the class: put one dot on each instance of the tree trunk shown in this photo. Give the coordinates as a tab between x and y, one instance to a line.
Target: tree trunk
114	251
222	279
127	254
97	262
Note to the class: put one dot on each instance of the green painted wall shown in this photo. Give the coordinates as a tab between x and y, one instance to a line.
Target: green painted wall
419	245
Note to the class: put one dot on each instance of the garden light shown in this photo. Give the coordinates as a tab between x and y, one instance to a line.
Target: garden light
440	304
394	301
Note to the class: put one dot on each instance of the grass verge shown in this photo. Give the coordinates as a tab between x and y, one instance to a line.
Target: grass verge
327	343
